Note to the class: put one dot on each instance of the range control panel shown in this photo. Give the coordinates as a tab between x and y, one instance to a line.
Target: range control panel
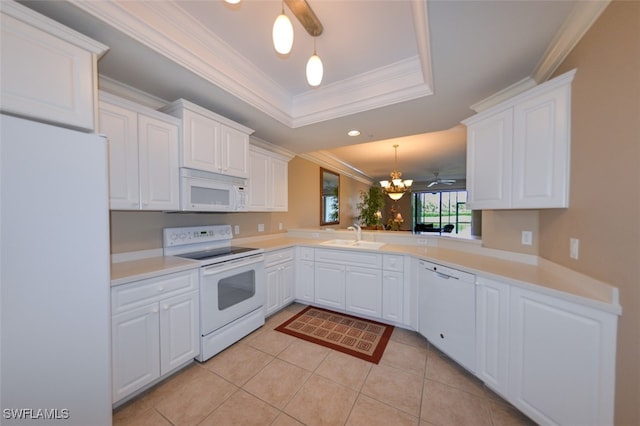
196	234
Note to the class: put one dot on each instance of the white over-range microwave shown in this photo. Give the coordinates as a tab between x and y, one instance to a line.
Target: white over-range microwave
211	192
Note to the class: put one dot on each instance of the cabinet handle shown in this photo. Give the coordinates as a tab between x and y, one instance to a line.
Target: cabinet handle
160	289
155	310
165	307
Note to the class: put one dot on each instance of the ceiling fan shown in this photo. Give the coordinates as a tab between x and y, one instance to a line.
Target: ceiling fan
437	181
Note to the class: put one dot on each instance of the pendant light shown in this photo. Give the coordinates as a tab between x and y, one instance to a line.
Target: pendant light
396	188
314	68
282	33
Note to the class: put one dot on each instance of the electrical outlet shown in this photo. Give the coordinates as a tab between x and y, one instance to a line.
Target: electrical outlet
261	227
280	226
574	248
527	238
236	229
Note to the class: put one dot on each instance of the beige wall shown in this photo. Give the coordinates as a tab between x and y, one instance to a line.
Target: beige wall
134	231
604	212
502	229
604	208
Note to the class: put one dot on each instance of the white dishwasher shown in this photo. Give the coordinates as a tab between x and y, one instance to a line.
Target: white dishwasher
447	311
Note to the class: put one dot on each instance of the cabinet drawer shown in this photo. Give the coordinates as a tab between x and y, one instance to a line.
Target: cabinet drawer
305	253
278	256
349	257
392	262
128	296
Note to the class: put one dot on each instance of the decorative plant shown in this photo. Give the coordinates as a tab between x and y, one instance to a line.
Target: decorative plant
370	205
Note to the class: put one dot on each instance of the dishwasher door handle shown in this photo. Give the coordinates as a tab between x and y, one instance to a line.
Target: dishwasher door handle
444	276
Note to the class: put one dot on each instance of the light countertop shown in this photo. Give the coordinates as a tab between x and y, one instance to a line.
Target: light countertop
545	276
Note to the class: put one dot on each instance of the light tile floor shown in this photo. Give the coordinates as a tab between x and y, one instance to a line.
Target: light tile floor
270	378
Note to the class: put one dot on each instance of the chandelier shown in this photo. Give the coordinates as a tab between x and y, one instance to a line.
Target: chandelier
396	188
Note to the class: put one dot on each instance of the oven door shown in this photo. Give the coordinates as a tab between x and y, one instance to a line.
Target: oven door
230	290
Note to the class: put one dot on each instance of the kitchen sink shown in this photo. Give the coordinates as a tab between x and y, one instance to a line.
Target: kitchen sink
353	244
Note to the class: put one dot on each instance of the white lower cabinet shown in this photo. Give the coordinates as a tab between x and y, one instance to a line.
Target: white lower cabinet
304	286
279	272
393	287
363	291
492	334
329	285
135	346
154	330
561	360
392	296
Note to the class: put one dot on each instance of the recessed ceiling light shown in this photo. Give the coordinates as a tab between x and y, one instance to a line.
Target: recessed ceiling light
353	132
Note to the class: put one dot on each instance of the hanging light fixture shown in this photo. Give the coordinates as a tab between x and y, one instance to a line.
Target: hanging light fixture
282	33
314	68
396	188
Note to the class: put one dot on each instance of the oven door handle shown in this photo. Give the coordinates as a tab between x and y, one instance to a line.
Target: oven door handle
231	264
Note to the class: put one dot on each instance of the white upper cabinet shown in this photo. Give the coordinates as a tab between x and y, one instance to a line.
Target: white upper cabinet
210	142
518	152
268	180
48	71
489	161
143	155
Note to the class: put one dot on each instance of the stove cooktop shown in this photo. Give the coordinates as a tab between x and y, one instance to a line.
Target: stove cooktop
215	253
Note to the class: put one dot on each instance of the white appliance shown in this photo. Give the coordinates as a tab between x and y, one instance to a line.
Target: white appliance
447	314
55	285
232	287
212	192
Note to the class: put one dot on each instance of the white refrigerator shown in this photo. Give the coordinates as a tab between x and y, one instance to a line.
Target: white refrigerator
54	276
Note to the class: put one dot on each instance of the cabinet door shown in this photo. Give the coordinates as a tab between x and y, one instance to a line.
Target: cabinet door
201	143
541	150
279	185
234	152
273	295
492	334
561	360
45	77
489	162
364	291
158	158
329	285
287	284
121	127
259	182
305	279
392	296
135	345
179	331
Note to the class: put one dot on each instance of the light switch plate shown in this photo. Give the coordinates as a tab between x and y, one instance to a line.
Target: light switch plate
574	248
261	227
527	238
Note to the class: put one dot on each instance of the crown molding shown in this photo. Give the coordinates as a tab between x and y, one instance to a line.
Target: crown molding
267	146
125	91
583	15
326	160
423	38
43	23
504	94
397	82
168	30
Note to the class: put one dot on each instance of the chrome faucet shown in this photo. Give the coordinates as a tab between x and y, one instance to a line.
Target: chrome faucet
357	229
